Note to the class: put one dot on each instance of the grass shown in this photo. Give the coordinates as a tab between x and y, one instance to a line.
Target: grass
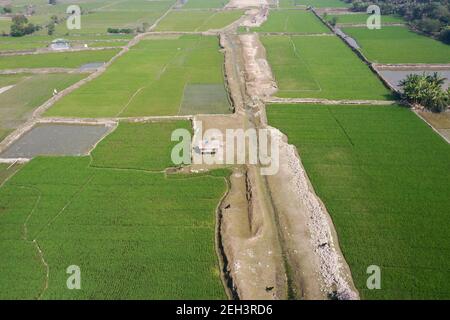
361	18
297	21
314	3
399	45
181	20
384	176
29	92
134	234
57	60
155	72
320	67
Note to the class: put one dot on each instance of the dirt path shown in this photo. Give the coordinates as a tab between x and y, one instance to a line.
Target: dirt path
4	89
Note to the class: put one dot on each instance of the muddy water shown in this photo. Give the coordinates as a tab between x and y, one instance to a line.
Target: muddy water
56	139
395	76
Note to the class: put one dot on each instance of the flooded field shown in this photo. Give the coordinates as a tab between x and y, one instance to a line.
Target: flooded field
56	139
395	76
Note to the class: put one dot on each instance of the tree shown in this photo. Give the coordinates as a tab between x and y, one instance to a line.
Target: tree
334	21
444	36
427	91
51	28
20	26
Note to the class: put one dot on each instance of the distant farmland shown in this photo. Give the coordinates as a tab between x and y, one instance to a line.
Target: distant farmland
56	60
133	233
298	21
150	80
399	45
361	18
384	176
314	3
304	68
182	20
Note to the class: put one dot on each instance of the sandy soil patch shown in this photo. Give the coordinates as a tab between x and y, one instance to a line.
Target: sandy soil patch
4	89
240	4
249	239
259	78
440	122
255	17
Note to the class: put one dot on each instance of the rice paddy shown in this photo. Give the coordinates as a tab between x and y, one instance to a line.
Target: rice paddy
29	92
181	20
134	234
361	18
384	176
399	45
304	68
292	21
149	80
56	60
314	3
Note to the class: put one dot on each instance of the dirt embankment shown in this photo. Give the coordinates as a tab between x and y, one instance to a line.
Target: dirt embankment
318	269
260	81
249	239
242	4
255	17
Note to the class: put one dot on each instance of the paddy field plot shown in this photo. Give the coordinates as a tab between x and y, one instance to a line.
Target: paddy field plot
150	80
295	21
54	140
313	3
384	176
205	4
29	92
361	18
33	42
56	60
134	234
99	15
202	20
399	45
5	25
320	67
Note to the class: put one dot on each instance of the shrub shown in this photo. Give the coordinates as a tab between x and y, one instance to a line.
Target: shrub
427	91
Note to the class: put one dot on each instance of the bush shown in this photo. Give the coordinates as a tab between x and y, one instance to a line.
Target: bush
444	36
117	30
427	91
21	27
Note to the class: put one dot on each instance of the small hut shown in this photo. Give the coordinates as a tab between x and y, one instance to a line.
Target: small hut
60	44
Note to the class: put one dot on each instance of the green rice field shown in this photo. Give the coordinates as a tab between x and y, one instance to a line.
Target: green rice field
399	45
361	18
133	233
205	4
5	25
313	3
182	20
156	72
33	42
98	15
384	177
295	21
57	60
320	67
29	92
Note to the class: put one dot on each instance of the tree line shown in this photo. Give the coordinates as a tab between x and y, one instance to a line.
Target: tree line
428	16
